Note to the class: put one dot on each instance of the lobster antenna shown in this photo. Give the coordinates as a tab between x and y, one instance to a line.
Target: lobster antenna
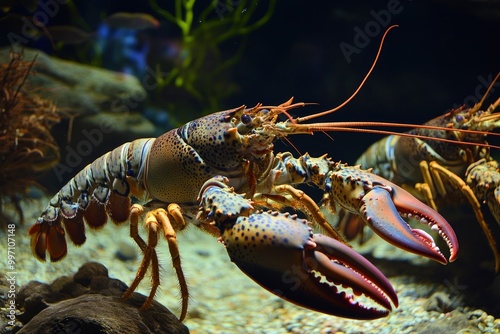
333	126
409	135
480	103
323	113
357	127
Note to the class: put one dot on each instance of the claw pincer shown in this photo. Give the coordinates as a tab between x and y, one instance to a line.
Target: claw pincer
382	205
280	252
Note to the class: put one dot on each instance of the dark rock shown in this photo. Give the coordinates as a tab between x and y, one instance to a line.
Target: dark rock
125	251
110	129
89	271
94	313
90	302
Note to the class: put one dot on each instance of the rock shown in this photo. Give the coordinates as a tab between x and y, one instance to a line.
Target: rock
111	129
90	302
93	313
93	136
82	88
126	251
8	318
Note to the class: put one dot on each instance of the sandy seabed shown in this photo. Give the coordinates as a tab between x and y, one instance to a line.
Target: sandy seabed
224	300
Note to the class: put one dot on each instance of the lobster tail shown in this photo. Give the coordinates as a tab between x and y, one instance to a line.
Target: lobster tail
100	190
95	215
118	208
46	237
76	229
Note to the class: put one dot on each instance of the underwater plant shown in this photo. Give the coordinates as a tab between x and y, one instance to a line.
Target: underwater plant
201	69
27	148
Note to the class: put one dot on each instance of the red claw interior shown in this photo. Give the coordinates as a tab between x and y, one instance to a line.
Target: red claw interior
339	266
383	212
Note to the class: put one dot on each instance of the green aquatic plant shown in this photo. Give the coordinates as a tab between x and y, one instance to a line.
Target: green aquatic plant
202	67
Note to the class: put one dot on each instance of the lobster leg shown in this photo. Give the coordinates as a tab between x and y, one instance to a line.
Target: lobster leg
436	177
303	201
483	177
157	220
483	180
174	211
149	254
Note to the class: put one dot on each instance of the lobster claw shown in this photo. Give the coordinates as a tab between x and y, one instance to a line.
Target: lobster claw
280	252
384	205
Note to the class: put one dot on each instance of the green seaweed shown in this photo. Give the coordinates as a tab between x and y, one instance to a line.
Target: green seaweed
201	69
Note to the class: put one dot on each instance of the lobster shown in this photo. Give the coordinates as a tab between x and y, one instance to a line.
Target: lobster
198	174
220	173
456	169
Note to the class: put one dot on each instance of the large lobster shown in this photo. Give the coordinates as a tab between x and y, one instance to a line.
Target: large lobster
451	165
221	174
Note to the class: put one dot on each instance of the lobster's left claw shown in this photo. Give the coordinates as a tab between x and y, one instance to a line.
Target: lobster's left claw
280	252
384	205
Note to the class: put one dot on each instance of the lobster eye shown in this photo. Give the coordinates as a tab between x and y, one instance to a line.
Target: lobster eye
459	118
246	119
246	124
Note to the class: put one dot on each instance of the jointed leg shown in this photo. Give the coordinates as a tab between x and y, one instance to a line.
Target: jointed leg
155	220
148	250
476	206
308	203
170	235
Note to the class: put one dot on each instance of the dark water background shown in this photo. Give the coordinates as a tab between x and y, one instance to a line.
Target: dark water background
431	63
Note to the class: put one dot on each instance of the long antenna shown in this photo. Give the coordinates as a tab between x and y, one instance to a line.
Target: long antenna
323	113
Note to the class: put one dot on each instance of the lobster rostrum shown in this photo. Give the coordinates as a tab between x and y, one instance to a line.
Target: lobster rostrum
458	168
221	174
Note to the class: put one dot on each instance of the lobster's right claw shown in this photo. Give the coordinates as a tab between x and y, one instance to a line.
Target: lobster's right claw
280	252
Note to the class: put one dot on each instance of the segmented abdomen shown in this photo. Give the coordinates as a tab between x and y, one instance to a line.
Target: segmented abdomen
102	188
379	157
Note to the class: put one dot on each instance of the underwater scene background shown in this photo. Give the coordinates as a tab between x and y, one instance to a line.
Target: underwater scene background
80	78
